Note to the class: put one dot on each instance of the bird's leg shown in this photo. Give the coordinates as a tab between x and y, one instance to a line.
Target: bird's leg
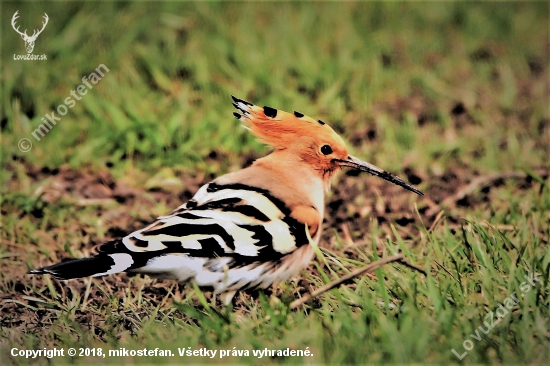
226	297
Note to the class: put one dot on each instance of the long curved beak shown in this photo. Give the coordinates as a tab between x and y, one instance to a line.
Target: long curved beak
354	163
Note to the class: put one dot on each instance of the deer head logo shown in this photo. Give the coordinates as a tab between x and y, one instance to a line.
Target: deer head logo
29	40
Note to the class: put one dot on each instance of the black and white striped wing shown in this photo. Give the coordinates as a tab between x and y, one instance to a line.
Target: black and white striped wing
223	226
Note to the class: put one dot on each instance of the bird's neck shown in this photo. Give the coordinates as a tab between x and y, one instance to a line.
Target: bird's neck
295	170
285	177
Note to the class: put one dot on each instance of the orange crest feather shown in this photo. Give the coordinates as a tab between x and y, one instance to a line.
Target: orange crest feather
279	128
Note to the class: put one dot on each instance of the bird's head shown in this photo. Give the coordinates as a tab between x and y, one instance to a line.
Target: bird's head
313	141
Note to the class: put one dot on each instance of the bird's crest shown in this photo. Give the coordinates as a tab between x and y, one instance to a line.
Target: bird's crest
279	128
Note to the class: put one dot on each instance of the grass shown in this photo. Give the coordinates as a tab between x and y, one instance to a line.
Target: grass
441	93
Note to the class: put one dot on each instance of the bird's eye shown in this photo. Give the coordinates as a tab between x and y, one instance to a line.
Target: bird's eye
326	150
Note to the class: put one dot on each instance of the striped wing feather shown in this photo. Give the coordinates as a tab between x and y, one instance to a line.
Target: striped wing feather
225	230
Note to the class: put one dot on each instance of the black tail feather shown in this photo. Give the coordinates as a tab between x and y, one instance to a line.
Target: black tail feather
76	268
110	259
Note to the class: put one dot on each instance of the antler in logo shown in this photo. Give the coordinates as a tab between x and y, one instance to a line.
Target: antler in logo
29	41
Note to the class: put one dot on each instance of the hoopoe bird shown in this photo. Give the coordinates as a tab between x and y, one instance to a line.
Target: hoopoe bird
248	229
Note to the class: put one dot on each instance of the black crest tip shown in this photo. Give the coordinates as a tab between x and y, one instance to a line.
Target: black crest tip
320	122
237	116
298	114
270	112
237	100
243	111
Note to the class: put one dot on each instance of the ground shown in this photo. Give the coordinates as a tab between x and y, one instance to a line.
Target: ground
453	97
